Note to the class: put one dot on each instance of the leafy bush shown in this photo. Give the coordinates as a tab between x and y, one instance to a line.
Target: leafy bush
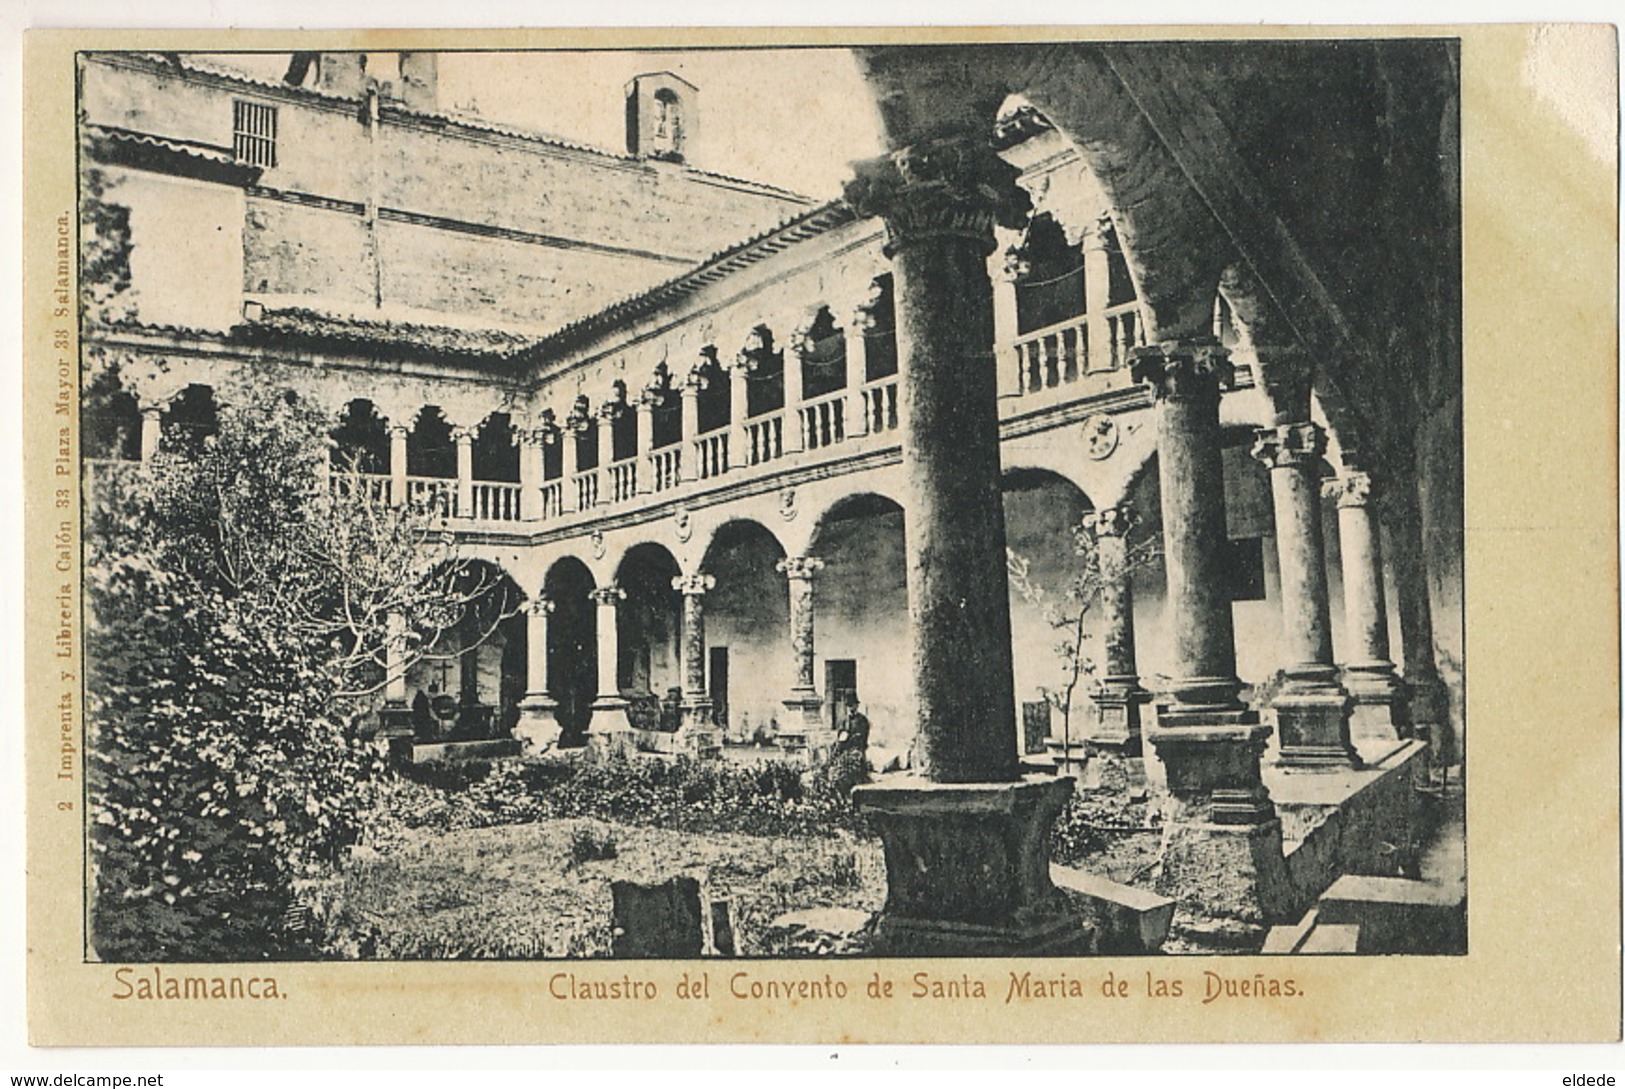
769	799
240	622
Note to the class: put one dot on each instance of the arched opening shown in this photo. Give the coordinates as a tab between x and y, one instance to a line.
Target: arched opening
763	373
821	350
496	453
669	133
572	647
467	683
860	599
429	449
110	418
747	625
648	629
431	463
1042	513
361	440
1051	288
880	331
190	420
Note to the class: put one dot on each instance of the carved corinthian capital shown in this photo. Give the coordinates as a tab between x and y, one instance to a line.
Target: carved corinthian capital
1289	446
800	567
693	585
1352	489
948	188
1183	370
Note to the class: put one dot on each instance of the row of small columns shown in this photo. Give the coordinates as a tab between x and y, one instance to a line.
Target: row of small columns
803	697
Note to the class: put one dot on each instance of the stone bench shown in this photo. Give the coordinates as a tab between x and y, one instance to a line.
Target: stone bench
1125	919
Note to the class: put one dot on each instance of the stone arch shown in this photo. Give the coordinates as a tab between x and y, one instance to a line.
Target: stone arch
860	502
190	418
860	600
747	624
110	418
361	438
470	676
648	621
572	646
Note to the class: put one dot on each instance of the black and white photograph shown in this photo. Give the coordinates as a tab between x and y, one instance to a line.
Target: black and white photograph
961	500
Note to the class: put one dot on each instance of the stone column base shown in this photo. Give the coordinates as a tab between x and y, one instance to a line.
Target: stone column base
537	728
1117	725
967	868
1380	709
1314	730
1231	881
1212	764
610	731
697	732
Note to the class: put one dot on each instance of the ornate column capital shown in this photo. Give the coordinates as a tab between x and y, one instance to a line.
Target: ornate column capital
461	435
541	605
800	567
152	412
954	187
1110	521
693	585
1183	370
610	596
1289	446
1352	489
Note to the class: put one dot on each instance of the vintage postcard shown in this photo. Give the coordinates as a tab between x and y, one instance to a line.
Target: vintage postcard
847	536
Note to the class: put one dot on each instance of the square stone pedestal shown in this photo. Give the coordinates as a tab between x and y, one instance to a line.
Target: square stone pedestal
1230	880
610	732
1117	727
537	728
1314	730
967	868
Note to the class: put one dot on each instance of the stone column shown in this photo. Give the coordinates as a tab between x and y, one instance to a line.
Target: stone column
857	365
1097	294
530	475
1011	379
606	451
537	727
610	731
804	703
697	733
693	588
464	438
1118	696
1209	741
688	442
1368	672
792	399
644	444
1429	704
738	407
569	464
966	844
395	660
1311	708
152	431
397	464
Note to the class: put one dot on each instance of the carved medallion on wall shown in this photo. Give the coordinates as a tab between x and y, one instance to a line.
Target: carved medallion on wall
685	525
597	544
787	505
1100	436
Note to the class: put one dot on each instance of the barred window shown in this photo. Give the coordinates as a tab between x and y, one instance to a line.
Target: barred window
253	132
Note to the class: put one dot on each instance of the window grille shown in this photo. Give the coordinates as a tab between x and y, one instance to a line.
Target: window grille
253	133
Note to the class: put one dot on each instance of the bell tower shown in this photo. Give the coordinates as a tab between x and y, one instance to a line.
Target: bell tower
661	118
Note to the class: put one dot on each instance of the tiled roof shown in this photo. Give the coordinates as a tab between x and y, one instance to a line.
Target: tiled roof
719	265
411	338
181	156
